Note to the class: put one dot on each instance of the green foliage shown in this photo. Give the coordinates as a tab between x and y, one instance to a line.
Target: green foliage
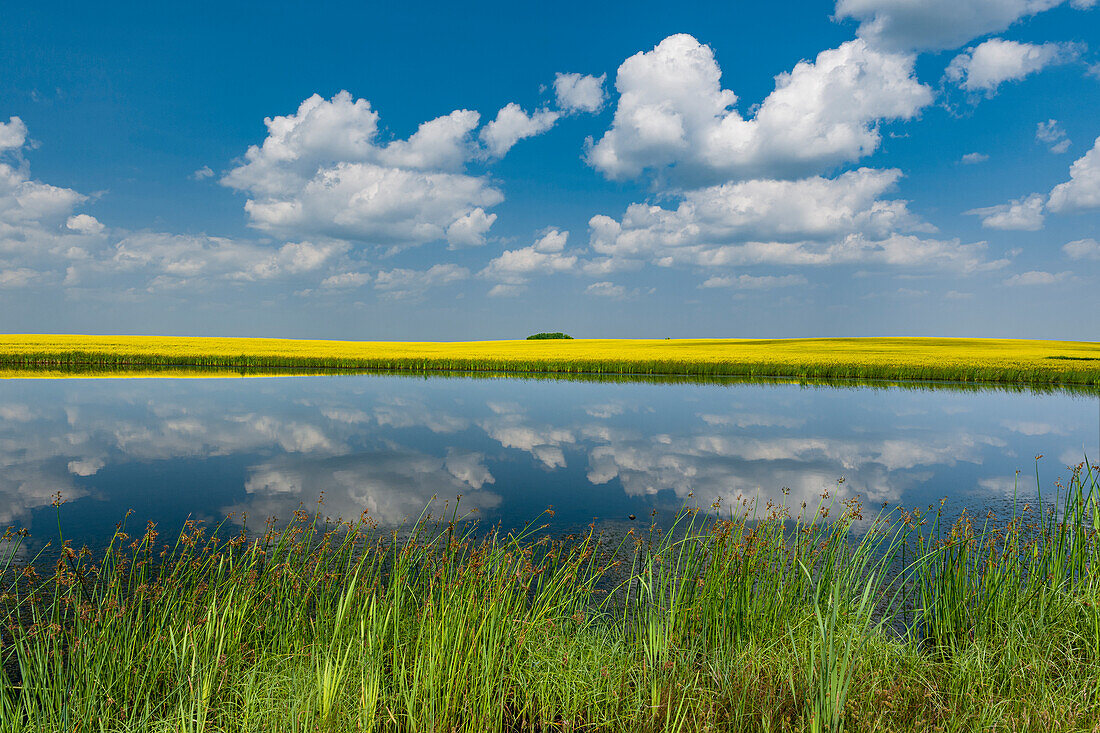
734	623
996	361
543	336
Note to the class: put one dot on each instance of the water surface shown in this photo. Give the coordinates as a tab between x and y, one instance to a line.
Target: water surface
171	449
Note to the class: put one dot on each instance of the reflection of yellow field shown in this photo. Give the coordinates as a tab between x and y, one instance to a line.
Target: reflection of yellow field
970	360
139	372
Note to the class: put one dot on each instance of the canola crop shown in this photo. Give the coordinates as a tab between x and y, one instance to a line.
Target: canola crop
998	361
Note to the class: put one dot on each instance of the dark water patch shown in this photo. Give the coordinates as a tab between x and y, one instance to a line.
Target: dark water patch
587	446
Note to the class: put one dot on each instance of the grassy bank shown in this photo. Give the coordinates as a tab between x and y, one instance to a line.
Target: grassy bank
109	371
962	360
733	625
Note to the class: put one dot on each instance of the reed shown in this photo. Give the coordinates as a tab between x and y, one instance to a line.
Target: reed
961	360
114	371
732	621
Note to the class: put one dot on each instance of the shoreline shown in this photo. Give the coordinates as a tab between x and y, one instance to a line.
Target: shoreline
753	622
972	361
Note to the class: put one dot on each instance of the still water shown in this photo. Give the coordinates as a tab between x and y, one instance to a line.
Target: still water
171	449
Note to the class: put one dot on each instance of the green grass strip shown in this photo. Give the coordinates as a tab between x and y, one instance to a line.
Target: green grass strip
992	361
736	621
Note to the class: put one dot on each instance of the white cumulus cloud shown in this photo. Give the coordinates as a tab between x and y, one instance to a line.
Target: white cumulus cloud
346	280
513	268
46	241
580	92
323	173
1080	193
1082	190
19	277
606	289
84	224
633	247
470	230
13	134
511	125
990	64
1024	214
551	241
40	231
1037	277
1052	134
754	282
813	221
674	118
903	25
374	204
1082	249
157	261
405	283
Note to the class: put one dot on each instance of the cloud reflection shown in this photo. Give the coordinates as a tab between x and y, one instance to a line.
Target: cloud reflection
391	486
387	446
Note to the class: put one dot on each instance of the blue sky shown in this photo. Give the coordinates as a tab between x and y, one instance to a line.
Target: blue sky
871	167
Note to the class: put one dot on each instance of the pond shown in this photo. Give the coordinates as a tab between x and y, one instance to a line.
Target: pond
169	449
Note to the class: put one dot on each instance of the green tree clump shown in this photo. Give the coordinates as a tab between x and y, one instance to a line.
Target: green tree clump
555	335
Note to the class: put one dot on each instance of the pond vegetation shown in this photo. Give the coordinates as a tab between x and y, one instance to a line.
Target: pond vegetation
123	371
960	360
736	618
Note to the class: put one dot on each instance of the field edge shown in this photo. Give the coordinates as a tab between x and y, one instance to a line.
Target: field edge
921	359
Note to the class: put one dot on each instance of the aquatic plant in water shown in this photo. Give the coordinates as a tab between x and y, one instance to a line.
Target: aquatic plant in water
739	619
963	360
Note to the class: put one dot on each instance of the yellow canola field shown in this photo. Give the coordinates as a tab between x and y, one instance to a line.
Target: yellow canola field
978	360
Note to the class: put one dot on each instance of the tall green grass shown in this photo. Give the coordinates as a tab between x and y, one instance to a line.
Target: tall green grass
1082	373
738	622
79	370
